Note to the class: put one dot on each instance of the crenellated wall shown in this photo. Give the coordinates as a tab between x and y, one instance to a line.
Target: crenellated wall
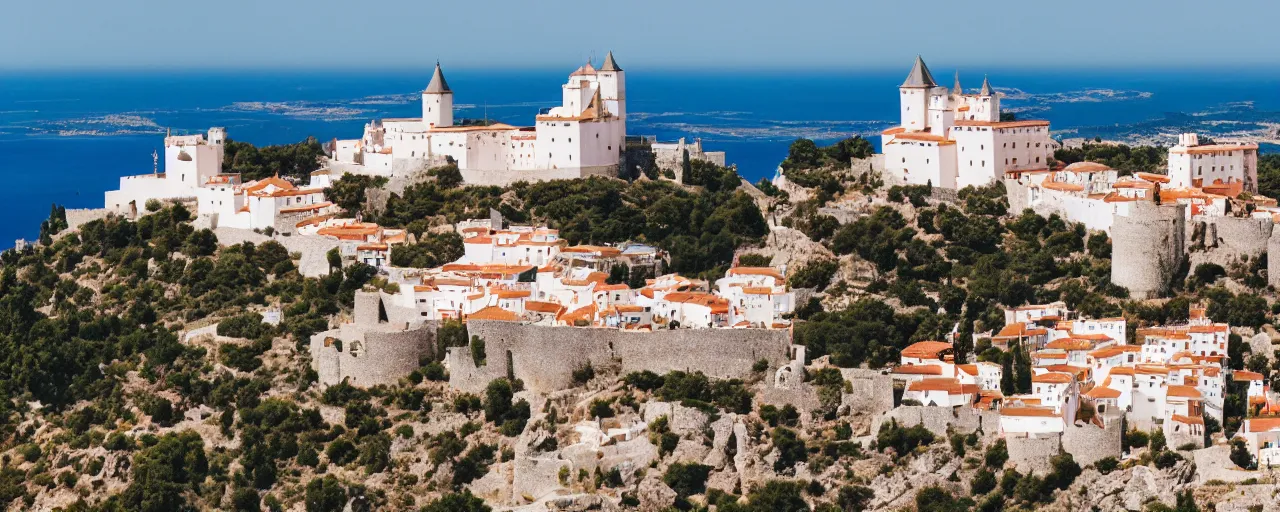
545	357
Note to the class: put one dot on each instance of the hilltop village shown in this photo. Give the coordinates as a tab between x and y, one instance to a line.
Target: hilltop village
447	314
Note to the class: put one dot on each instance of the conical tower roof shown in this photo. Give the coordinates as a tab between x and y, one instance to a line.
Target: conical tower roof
610	64
438	85
986	87
957	90
920	76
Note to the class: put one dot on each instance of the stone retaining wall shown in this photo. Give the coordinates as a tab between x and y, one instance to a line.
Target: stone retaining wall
545	357
1032	453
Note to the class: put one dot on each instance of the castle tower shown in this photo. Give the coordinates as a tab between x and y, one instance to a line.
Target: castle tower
613	86
613	92
437	101
988	105
915	97
942	114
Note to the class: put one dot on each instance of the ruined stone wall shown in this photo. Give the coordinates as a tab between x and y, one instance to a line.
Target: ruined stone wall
1152	238
1019	196
370	357
1214	463
80	216
1032	453
941	420
314	249
545	357
872	392
372	352
1222	240
1273	258
1089	443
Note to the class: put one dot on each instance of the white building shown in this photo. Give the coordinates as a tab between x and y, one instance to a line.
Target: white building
189	162
258	204
583	136
1262	436
1226	169
953	140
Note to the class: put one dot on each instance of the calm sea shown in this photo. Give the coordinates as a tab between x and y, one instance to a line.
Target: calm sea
67	137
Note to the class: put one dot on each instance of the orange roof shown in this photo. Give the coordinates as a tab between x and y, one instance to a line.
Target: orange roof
542	307
1202	329
951	386
893	131
607	252
1001	124
757	290
307	208
264	183
587	313
512	294
494	313
1070	344
1096	336
1024	411
1018	330
756	271
717	304
1053	378
1100	392
1078	371
1188	420
1215	148
495	127
1246	375
1183	391
1261	424
921	136
1123	370
924	369
1161	178
968	369
1114	351
926	349
372	247
1062	187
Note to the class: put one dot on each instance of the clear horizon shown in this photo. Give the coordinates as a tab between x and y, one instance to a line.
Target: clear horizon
76	35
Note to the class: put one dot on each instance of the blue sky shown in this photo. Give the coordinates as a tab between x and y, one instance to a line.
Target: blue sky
722	34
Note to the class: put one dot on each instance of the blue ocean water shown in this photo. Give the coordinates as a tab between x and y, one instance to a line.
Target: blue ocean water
68	137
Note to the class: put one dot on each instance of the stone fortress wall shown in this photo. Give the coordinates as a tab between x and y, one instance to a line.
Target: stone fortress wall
1089	443
1223	240
383	344
941	420
545	357
1152	239
1031	453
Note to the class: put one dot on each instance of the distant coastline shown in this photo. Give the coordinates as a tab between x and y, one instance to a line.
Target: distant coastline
70	136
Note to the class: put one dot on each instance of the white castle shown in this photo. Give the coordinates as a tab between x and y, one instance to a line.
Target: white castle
950	139
193	172
583	136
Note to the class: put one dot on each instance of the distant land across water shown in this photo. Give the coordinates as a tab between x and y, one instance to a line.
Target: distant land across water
66	137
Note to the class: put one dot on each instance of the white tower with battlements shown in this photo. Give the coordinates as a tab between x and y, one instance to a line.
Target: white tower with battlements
437	102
